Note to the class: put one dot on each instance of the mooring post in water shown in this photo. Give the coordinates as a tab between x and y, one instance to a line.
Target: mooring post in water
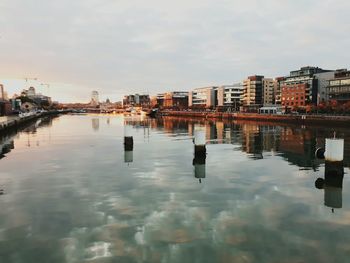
128	144
128	139
199	142
200	153
334	172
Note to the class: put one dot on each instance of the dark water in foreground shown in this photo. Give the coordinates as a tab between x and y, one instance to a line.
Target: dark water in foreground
71	194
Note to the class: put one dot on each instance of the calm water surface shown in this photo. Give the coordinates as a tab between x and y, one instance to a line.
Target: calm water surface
72	194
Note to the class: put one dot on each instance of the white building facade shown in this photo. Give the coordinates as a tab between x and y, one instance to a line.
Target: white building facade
202	97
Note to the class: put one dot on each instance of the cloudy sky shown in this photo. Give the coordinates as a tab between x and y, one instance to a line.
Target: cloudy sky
129	46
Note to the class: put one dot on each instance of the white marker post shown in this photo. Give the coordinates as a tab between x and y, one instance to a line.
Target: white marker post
199	142
128	139
334	150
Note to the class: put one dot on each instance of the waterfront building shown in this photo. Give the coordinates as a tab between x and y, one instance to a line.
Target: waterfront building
176	99
252	96
269	88
229	96
94	98
160	99
202	97
338	88
2	92
5	105
137	100
277	92
31	92
153	101
304	87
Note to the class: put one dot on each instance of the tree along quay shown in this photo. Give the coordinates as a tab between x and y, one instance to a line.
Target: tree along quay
301	119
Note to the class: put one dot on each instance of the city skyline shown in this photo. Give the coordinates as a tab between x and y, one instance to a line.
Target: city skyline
125	47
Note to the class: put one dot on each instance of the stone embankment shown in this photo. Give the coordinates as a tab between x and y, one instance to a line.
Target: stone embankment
285	118
13	122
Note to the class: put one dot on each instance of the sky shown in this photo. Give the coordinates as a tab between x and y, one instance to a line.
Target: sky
119	47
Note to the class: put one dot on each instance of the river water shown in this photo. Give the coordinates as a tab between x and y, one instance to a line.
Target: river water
72	194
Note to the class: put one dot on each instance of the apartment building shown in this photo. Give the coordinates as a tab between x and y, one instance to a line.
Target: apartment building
338	87
302	87
203	97
229	96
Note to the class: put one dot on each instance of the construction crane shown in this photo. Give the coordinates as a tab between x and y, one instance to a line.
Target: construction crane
26	78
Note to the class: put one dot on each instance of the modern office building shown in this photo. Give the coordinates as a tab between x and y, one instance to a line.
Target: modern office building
278	90
160	99
229	96
302	87
176	99
252	97
138	100
269	89
202	97
338	88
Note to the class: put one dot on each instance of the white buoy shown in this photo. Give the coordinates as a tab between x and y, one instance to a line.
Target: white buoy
334	151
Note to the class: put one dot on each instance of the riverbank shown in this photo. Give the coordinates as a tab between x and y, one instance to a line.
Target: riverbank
285	118
14	122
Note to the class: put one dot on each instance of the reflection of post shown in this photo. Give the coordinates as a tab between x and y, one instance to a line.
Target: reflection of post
95	124
334	173
128	144
199	167
199	153
332	185
128	154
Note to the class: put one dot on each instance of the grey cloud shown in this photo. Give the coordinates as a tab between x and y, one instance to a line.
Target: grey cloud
118	47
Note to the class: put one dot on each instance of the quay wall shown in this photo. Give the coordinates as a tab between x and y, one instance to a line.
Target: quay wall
14	122
285	118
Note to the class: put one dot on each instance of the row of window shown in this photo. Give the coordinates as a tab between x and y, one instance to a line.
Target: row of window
293	98
339	89
302	103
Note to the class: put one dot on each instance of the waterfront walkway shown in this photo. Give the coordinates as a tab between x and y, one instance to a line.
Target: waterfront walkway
301	119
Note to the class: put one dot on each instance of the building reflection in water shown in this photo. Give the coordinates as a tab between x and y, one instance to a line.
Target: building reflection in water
6	145
7	140
138	122
95	122
293	143
332	184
